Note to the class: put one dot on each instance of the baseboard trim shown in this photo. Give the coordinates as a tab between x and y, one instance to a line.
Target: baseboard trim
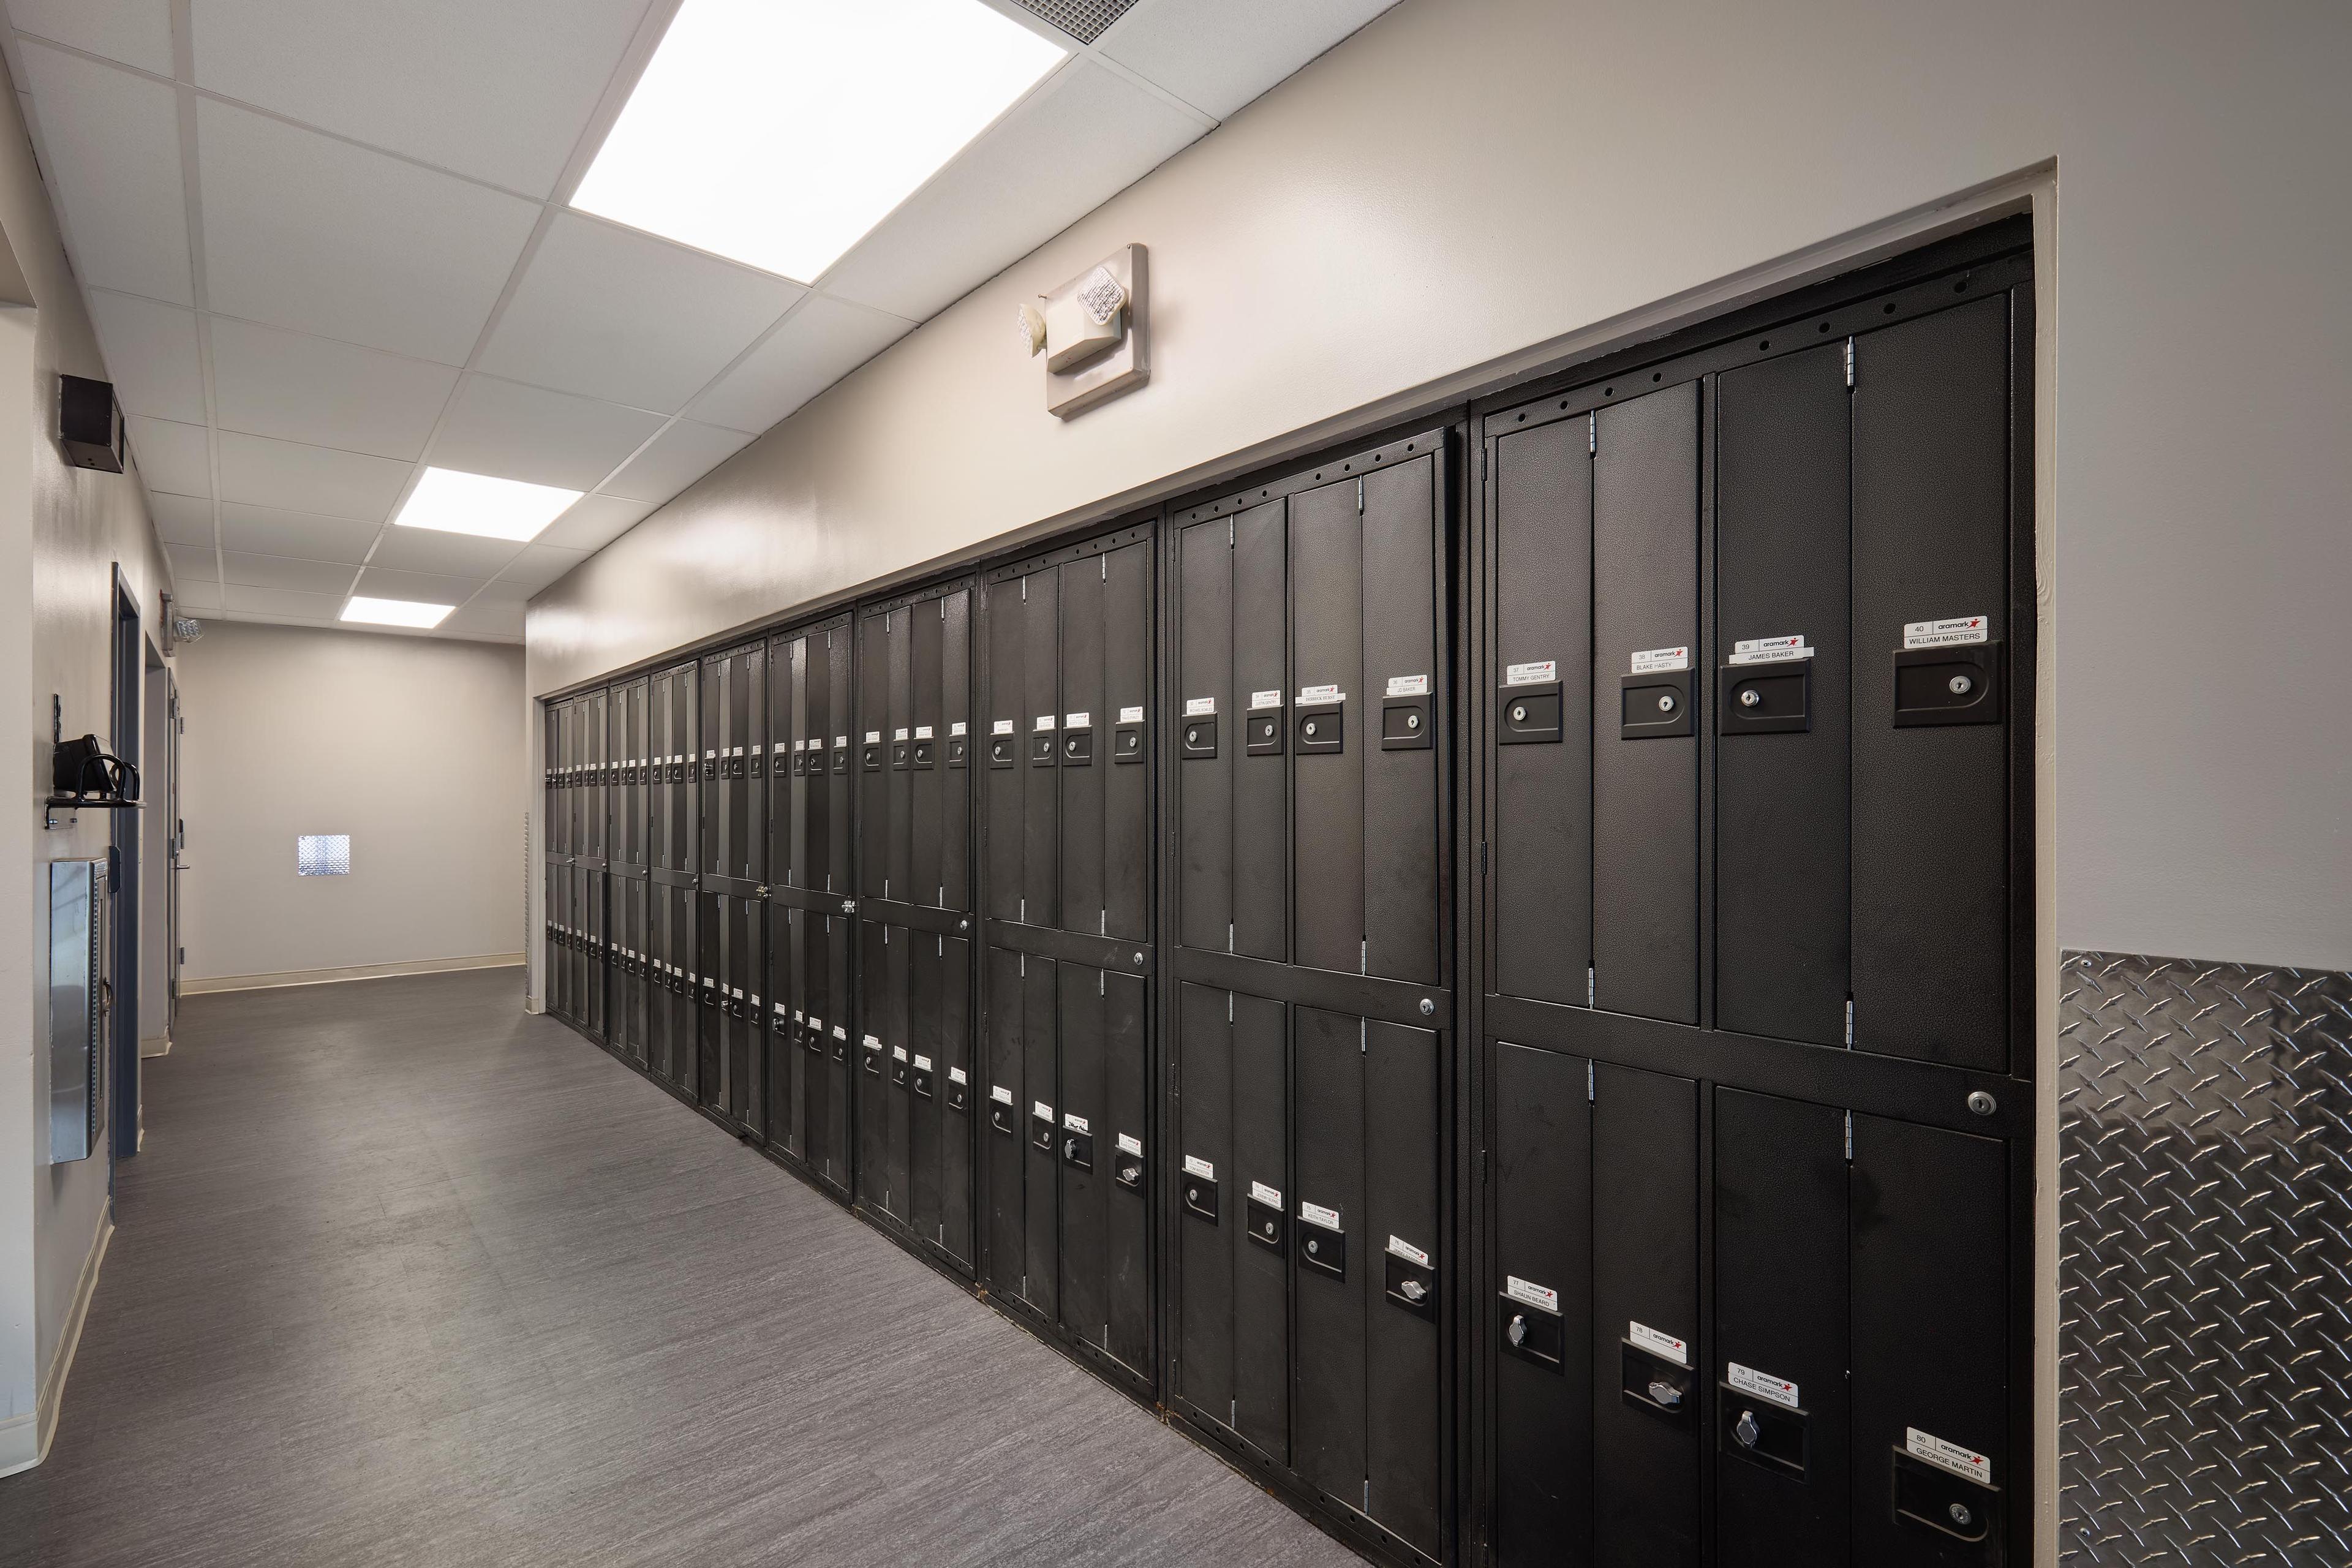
154	1046
25	1440
356	972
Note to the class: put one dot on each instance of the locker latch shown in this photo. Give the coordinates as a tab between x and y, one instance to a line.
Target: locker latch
926	754
1762	1433
1654	705
1322	729
1412	1283
759	763
1200	1196
1077	748
1200	737
1932	1497
1405	724
873	756
1042	748
902	755
922	1075
1265	1222
1958	685
1127	743
1041	1131
955	1093
1000	751
956	746
1651	1381
1764	699
1322	1247
1531	1331
898	1069
1527	714
1078	1149
1128	1164
1000	1117
840	759
1262	733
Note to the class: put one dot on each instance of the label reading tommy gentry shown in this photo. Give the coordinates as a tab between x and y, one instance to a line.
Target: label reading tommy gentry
1316	1214
1948	1455
1196	1167
1408	1251
1533	673
1763	1385
1656	1343
1650	660
1541	1297
1946	634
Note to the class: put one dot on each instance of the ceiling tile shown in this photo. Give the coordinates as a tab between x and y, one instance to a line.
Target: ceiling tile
497	618
1186	46
285	571
136	32
172	456
447	555
1079	140
821	342
150	355
304	231
295	477
301	388
595	521
188	594
678	456
266	530
193	563
535	568
498	92
608	312
284	602
518	432
110	149
418	587
181	520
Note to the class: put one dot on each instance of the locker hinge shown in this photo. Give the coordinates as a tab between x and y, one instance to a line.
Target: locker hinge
1588	1076
1106	578
1025	599
1229	936
1849	1023
1360	498
1592	985
1848	365
1592	433
1848	1137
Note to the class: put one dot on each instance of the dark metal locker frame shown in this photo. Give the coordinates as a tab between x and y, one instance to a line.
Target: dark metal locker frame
1993	260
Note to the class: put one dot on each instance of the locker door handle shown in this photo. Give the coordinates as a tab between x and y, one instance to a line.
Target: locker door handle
1665	1394
1528	715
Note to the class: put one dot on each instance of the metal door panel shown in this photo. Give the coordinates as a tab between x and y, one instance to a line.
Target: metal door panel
925	954
896	1081
958	746
1261	1101
591	760
961	1095
840	1033
1395	733
1539	1304
1542	824
1645	1447
1207	1239
812	790
841	782
1261	767
709	1082
753	780
1008	1126
1084	1146
1780	1321
1040	719
1645	469
784	1026
872	1059
1328	1154
1126	786
787	808
1931	485
1084	762
1327	646
1781	570
710	799
1124	1172
1402	1432
1040	1040
1205	886
1001	754
897	743
926	774
870	756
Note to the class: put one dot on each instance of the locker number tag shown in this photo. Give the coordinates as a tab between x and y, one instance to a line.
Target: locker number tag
873	737
1408	686
1196	1167
1770	650
1316	1214
1075	1122
922	731
1321	694
899	734
1264	699
1198	707
873	1042
1536	673
1949	1456
1265	1195
922	1064
1045	720
1541	1297
1945	634
1408	1251
1650	660
1077	721
1001	1095
841	1031
843	739
1656	1343
955	1075
1040	1111
1001	727
1130	1144
1763	1385
956	729
1131	715
900	1052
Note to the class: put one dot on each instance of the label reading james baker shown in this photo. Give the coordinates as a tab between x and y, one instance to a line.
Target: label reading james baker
1770	650
1763	1385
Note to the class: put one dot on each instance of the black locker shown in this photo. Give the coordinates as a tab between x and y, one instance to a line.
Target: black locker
734	832
628	995
1203	784
1327	659
1040	1042
1209	1229
558	892
589	740
1259	764
1004	1166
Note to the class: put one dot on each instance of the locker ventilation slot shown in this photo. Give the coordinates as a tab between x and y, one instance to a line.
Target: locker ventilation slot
1085	20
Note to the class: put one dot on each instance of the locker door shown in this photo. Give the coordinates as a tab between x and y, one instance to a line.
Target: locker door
1207	1236
746	1023
1781	1317
957	1100
557	878
753	780
1008	1121
1333	1248
1260	764
840	1002
1085	1150
787	775
1931	1316
591	762
1261	1272
925	953
821	871
1399	715
1122	1159
1204	888
657	733
598	957
1122	730
1041	689
1782	549
873	756
628	989
1645	743
899	837
1542	828
786	1020
686	710
1084	766
1401	1268
1005	756
926	883
842	780
873	1064
710	1054
1542	1173
710	801
658	949
559	811
897	985
1327	646
1040	1048
1931	478
1645	1345
958	754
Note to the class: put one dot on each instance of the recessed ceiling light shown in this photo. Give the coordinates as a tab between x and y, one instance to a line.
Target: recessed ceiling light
779	131
457	502
395	612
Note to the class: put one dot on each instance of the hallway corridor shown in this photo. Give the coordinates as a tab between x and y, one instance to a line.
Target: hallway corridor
404	1276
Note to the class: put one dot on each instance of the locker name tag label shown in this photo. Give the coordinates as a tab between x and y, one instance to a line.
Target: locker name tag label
1264	699
1075	1122
922	731
1198	707
1946	634
1077	721
1650	660
841	1031
1408	686
955	1075
956	729
1001	727
1265	1195
1533	674
1131	715
898	735
873	737
1001	1095
1408	1251
1129	1143
1321	694
1316	1214
1040	1111
1747	1380
900	1052
1541	1297
873	1042
922	1064
1769	650
1949	1456
1196	1167
1656	1343
843	739
1045	720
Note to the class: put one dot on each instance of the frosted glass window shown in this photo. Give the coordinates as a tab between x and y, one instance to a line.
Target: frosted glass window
322	855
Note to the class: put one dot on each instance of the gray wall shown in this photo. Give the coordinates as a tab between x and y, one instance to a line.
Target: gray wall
412	745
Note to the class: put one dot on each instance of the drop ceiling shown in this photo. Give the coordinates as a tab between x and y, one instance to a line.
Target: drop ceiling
326	245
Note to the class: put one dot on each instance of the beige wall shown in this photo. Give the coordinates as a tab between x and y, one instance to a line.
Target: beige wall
412	745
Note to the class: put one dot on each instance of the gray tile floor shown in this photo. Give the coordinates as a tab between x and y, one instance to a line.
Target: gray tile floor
405	1277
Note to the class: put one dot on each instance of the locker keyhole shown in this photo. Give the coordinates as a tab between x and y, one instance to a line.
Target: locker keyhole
1749	697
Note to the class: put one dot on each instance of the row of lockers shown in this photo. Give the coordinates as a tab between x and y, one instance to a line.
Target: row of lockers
1332	957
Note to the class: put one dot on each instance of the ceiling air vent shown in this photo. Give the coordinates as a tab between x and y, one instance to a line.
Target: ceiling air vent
1085	20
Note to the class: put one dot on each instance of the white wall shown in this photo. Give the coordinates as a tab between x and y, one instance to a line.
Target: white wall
412	745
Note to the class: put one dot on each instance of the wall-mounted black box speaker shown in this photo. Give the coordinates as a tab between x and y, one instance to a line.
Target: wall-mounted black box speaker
89	425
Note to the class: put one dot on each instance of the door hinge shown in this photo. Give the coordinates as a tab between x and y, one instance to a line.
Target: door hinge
1025	599
1592	985
1106	578
1849	1023
1593	433
1360	498
1848	1137
1848	365
1589	1085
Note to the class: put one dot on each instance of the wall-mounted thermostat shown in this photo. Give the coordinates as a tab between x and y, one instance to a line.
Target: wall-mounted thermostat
1094	333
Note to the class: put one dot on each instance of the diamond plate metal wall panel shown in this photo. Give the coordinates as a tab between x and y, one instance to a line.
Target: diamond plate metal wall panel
1083	20
2205	1275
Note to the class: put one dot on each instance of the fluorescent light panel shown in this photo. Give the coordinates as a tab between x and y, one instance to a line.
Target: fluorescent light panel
457	502
777	132
395	612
